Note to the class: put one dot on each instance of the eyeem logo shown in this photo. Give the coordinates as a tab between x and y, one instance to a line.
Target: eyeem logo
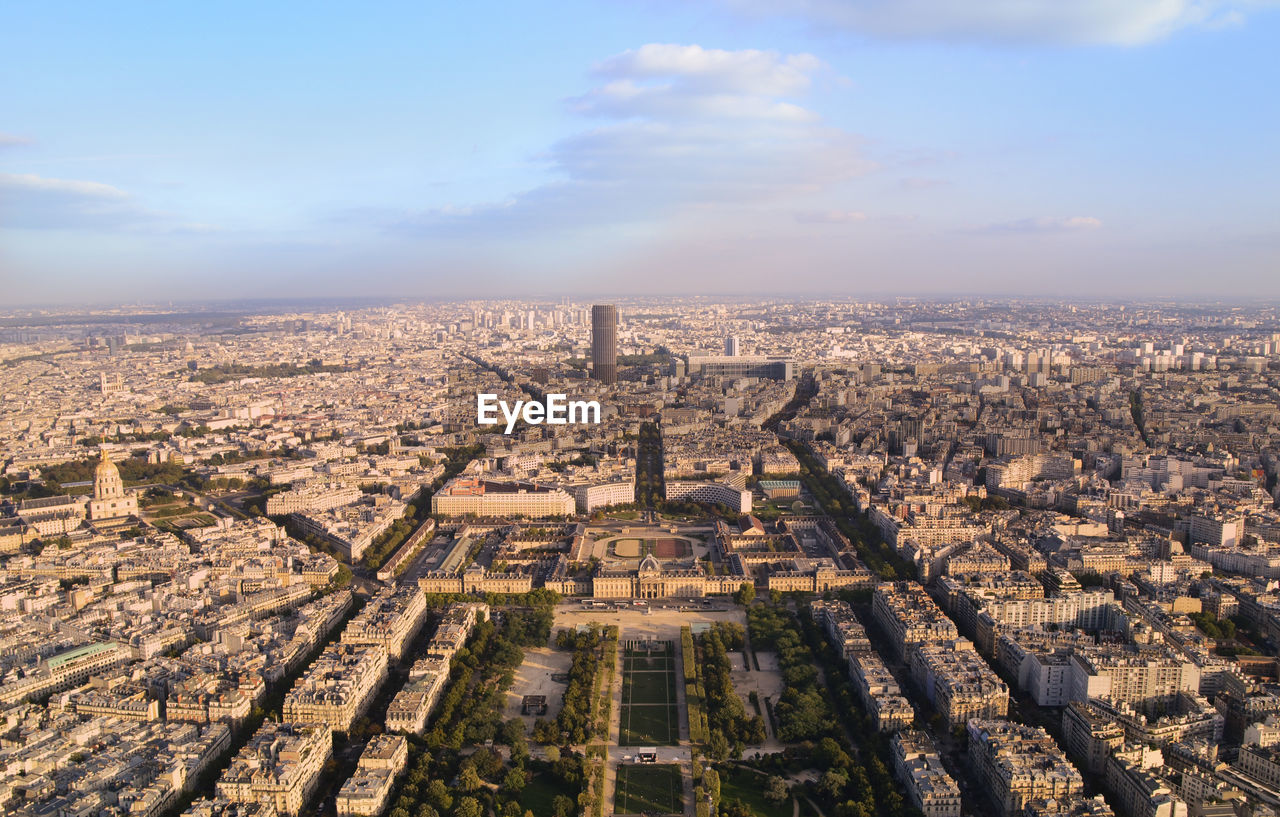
556	410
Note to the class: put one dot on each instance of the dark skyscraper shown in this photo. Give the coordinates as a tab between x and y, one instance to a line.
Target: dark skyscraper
604	343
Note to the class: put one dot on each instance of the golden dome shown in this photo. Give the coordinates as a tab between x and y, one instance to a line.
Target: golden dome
106	467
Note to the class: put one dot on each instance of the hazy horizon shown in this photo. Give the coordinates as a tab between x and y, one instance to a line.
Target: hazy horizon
730	148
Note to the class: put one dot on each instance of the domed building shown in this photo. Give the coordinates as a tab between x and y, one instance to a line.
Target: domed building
110	499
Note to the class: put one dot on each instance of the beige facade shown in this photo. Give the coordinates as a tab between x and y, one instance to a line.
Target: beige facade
110	500
280	765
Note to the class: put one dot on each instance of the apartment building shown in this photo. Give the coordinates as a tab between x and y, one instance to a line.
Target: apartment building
909	617
720	493
1148	678
918	767
367	792
338	686
412	705
280	765
1018	764
958	681
391	618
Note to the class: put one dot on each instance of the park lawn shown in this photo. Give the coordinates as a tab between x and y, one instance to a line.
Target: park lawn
649	788
650	726
808	809
171	509
538	794
736	784
649	714
650	663
650	688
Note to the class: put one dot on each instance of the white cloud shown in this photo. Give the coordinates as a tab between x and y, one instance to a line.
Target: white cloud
710	70
685	128
40	184
1046	224
1107	22
625	98
831	217
8	140
38	202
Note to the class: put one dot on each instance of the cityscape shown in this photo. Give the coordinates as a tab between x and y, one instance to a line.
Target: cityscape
714	408
978	556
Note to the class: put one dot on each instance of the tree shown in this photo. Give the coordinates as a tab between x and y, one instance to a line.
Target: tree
514	781
438	795
832	783
775	790
562	806
468	779
711	782
487	762
829	753
718	746
513	732
745	594
468	807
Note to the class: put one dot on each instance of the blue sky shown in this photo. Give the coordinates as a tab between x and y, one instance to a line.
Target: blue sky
1098	148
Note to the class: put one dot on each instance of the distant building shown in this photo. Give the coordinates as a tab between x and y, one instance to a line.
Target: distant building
338	686
760	366
723	493
604	343
731	346
780	488
409	709
469	495
656	580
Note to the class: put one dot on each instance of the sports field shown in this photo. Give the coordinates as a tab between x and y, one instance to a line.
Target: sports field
648	789
649	715
664	548
668	548
626	548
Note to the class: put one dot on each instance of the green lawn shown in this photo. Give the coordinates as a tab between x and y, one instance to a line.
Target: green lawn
649	714
648	788
649	725
538	794
737	784
649	688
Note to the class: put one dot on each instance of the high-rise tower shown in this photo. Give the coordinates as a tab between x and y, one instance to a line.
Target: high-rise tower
604	343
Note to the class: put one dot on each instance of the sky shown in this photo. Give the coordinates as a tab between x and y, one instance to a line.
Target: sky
830	148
